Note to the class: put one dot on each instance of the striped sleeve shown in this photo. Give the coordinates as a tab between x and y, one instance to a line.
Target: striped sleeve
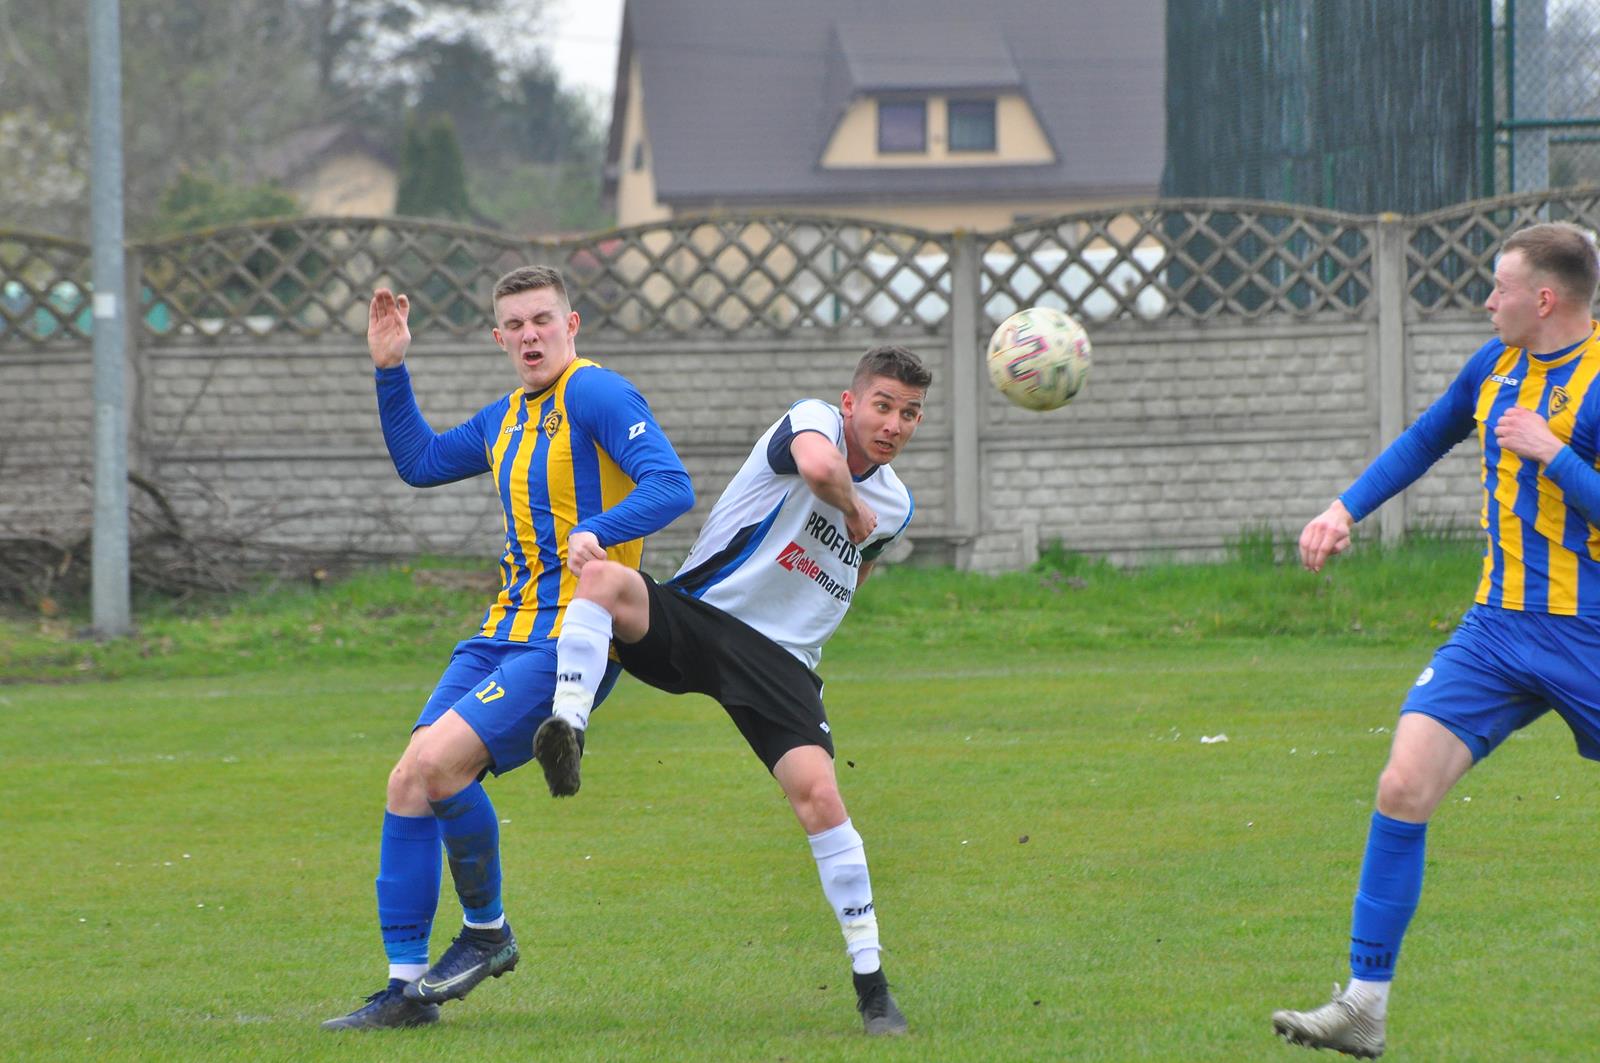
616	416
1579	483
423	457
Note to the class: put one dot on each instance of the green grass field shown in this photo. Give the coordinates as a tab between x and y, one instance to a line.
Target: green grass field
1063	869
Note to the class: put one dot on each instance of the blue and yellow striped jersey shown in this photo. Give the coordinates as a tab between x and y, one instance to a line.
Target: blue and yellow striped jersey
1542	552
585	454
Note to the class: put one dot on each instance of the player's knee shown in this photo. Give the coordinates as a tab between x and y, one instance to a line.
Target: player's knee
438	773
818	805
405	792
602	582
1404	793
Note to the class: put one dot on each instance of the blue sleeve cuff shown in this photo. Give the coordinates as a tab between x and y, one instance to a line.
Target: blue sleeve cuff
1579	483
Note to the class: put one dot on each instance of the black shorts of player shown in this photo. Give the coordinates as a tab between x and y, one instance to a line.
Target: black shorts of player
692	647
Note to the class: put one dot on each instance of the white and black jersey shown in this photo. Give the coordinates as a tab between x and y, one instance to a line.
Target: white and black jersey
775	555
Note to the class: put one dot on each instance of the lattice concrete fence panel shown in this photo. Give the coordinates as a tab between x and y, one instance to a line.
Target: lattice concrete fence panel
1185	438
1250	358
46	445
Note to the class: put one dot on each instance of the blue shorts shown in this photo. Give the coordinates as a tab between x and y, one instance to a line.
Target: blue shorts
1503	669
502	690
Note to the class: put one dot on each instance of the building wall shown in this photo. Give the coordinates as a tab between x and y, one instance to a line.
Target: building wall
1019	139
636	186
348	185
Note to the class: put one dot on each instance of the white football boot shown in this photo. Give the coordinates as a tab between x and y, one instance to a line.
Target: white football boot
1340	1024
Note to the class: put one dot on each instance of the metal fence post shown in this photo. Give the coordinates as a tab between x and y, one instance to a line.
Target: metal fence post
1389	285
964	390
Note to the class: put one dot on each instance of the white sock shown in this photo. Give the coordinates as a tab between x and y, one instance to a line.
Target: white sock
407	972
581	652
494	924
1372	997
842	866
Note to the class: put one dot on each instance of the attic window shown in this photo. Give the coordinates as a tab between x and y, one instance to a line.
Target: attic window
902	126
638	155
971	125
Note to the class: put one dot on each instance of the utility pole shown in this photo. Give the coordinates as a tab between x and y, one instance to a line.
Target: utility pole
110	591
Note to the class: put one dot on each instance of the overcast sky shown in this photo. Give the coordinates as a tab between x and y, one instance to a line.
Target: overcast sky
583	44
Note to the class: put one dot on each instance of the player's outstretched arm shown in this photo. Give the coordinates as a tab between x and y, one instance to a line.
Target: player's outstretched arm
1326	535
422	457
388	331
827	473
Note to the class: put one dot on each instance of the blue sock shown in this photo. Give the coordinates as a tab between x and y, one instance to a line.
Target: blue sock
409	865
472	838
1391	883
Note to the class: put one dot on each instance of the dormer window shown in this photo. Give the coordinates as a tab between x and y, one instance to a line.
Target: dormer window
902	126
971	125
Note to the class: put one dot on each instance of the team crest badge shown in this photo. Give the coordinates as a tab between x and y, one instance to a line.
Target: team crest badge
1558	400
552	424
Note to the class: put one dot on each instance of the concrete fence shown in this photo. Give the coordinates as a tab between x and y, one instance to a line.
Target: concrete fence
1249	360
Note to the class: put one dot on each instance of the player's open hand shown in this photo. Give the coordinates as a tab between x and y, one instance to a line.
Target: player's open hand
1326	535
582	548
1526	435
388	335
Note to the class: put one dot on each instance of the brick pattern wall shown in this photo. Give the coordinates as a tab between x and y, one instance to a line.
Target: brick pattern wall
46	445
1450	497
281	440
1186	437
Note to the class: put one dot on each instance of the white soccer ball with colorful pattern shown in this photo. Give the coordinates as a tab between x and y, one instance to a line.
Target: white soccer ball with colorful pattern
1039	358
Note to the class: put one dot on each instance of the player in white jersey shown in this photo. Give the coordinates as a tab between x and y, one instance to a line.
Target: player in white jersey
770	577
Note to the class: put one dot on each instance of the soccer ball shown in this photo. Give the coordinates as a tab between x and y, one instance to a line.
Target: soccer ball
1039	358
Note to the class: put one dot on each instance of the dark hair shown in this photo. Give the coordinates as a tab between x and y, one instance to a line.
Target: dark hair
527	278
896	363
1564	251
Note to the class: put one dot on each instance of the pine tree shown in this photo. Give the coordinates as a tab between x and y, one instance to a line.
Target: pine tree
433	176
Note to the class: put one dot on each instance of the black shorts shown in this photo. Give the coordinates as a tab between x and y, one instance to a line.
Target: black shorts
692	647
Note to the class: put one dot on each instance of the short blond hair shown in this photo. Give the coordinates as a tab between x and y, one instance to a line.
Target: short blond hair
1562	250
